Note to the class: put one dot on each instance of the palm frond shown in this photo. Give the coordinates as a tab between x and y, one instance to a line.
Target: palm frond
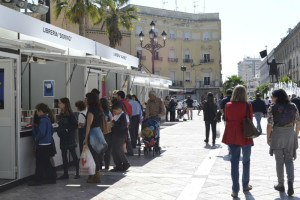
59	7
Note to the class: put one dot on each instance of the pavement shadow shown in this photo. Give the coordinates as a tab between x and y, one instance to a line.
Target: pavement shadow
227	157
208	146
249	196
284	196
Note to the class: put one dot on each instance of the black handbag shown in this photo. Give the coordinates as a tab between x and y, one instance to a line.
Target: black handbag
250	130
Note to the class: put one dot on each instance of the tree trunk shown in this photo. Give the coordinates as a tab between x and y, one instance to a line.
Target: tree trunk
82	26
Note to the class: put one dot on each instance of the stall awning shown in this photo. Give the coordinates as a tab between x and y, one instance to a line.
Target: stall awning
28	46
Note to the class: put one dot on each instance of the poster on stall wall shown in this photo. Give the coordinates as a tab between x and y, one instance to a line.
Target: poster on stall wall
48	88
1	89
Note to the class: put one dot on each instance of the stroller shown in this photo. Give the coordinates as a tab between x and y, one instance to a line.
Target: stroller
150	137
181	113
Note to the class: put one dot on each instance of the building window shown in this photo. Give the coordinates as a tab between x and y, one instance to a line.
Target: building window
206	80
172	53
157	73
156	56
172	34
173	76
187	76
187	54
187	36
297	60
206	57
206	36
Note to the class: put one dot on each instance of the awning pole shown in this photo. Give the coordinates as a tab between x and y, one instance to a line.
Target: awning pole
68	86
26	64
70	78
132	84
87	78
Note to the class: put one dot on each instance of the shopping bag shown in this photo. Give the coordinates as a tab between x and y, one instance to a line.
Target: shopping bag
218	131
140	130
87	164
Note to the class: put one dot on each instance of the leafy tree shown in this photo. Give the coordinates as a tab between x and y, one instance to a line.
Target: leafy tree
286	79
114	16
263	88
76	12
233	81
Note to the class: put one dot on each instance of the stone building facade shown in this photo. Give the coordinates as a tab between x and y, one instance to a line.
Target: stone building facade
193	41
288	52
248	69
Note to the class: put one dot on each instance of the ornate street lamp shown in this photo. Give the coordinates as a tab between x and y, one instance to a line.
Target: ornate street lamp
183	69
153	46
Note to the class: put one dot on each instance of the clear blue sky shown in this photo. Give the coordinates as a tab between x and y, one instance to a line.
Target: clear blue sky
247	25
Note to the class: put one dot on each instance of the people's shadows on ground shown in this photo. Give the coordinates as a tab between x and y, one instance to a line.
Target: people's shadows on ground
284	196
208	146
227	157
249	196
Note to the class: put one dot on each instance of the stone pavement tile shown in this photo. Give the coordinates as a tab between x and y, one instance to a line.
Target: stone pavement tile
167	176
262	175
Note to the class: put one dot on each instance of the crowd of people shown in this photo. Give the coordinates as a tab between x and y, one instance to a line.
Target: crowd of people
283	125
115	123
107	126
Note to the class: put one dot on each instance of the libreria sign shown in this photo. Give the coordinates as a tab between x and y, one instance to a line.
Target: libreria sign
56	34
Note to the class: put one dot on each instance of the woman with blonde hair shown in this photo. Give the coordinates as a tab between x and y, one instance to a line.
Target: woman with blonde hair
235	112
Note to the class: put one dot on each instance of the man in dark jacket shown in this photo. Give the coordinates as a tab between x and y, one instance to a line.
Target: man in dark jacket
224	101
259	109
296	101
190	107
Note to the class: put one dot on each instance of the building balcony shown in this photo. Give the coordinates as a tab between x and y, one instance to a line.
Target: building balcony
208	84
173	59
187	60
206	60
158	58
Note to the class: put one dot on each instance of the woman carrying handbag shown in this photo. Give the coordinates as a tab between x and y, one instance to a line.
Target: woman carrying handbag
282	137
94	137
235	113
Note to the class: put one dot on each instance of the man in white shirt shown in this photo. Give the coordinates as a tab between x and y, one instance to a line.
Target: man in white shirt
267	102
179	108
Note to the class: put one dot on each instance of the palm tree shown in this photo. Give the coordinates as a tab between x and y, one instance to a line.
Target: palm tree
76	12
115	16
233	81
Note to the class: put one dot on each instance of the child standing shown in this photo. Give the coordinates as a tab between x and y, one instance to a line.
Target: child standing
67	125
42	132
119	131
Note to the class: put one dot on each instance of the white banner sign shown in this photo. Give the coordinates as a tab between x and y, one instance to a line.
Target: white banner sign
21	23
116	55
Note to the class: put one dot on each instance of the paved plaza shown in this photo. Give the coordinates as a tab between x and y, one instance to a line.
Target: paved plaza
187	169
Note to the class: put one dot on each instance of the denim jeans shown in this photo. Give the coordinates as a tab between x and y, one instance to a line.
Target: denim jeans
235	158
258	116
97	140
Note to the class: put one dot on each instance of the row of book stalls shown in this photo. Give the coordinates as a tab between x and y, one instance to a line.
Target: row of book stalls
43	63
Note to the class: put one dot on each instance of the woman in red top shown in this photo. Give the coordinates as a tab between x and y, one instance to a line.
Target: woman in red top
235	112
